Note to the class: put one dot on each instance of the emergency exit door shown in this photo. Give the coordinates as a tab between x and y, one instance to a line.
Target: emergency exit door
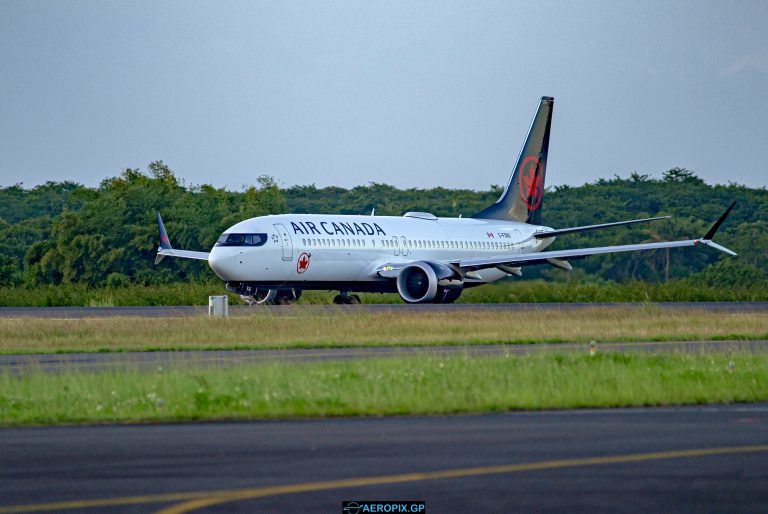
285	240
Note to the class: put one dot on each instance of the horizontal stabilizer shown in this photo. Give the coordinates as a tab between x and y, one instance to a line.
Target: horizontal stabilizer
585	228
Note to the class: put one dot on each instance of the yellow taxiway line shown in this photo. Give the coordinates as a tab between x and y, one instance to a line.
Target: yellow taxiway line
200	499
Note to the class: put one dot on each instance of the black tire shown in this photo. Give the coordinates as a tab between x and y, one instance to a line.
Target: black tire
287	297
345	299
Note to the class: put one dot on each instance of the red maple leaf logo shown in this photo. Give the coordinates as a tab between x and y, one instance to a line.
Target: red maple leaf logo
303	263
531	182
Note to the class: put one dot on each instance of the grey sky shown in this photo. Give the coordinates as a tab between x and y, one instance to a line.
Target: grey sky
414	94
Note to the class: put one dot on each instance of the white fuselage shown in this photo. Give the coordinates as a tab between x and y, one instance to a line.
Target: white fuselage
319	251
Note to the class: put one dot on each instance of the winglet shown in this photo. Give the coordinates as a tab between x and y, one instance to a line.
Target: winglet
164	241
709	235
719	247
707	239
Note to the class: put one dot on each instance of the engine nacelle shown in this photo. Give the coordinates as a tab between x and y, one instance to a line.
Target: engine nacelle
448	291
417	283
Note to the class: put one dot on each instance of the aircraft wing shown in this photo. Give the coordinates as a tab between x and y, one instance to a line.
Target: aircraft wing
585	228
185	254
529	259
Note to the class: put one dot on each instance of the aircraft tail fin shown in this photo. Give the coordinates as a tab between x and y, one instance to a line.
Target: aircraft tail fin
523	197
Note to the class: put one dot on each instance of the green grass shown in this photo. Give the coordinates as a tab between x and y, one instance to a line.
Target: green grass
510	290
75	295
394	386
344	327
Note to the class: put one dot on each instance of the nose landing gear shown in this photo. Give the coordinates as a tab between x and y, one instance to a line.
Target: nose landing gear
344	298
260	297
253	295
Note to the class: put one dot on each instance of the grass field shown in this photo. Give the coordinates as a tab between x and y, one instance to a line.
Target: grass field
403	385
508	290
342	328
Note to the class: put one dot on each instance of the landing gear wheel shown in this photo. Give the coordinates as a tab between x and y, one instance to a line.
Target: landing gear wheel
261	297
346	299
287	297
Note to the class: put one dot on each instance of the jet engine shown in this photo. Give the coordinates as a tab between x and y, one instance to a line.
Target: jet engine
417	283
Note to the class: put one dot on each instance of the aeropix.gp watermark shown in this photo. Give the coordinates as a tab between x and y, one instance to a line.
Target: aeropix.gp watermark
388	506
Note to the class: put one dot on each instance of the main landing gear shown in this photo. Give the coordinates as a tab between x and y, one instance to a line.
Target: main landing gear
345	298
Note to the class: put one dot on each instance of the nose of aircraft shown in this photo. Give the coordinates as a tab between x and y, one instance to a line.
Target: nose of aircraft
221	263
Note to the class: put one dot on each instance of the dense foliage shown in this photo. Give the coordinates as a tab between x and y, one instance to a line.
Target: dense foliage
66	233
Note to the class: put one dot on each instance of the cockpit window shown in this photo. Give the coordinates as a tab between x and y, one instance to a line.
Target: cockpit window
241	240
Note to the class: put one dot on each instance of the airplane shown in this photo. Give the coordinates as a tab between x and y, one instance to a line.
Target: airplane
422	257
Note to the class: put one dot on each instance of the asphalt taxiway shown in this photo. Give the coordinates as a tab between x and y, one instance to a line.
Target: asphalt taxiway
685	459
241	310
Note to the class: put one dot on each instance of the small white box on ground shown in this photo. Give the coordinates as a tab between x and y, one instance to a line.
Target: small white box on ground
218	305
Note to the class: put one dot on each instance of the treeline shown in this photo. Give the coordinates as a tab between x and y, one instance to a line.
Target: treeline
66	233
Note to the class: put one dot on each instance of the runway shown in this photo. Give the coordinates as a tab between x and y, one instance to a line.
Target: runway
689	459
95	362
242	310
